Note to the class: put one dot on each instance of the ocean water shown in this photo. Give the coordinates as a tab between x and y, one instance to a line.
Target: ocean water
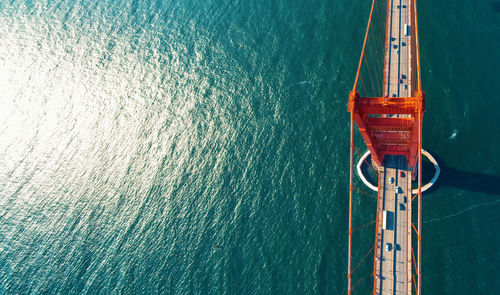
201	147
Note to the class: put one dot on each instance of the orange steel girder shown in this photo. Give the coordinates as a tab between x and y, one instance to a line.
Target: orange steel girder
385	135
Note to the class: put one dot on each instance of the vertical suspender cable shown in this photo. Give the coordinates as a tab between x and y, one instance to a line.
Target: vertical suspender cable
386	59
363	50
419	202
419	85
350	208
375	251
419	290
374	93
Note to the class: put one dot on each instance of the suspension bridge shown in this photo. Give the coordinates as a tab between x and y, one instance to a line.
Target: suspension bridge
387	105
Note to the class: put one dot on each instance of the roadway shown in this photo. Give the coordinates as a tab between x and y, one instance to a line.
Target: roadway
398	54
393	255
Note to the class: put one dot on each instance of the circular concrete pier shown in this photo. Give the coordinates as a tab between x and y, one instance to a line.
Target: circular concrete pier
414	191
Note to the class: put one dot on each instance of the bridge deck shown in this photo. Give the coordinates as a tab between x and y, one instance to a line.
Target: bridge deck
393	252
393	255
397	67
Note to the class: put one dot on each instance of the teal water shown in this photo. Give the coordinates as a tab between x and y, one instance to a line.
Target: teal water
201	147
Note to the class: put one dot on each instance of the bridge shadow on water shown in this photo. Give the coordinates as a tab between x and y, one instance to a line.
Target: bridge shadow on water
451	177
461	179
495	6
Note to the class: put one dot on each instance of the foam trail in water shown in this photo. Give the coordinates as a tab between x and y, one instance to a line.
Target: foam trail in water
299	83
464	211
